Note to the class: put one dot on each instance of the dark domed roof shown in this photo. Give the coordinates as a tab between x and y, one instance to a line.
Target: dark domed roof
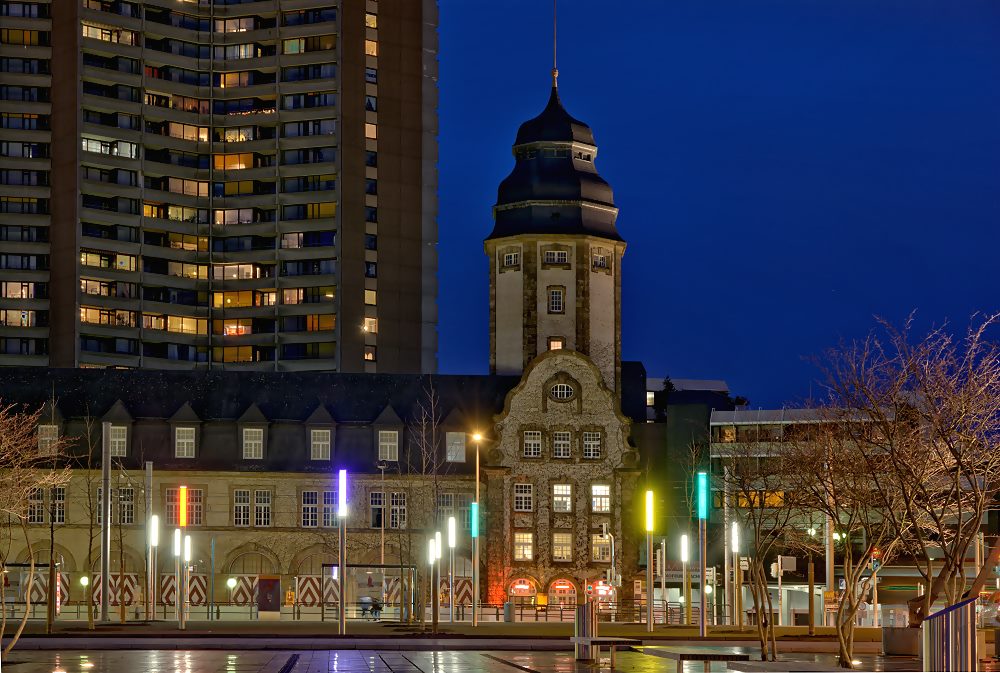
554	124
554	187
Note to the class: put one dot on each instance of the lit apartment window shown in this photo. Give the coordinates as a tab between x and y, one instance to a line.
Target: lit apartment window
310	509
371	131
556	343
557	300
371	297
48	436
600	498
524	498
184	442
369	354
371	21
253	443
370	325
119	441
455	447
600	548
592	445
562	546
524	546
561	444
371	48
562	497
319	444
532	444
388	445
650	398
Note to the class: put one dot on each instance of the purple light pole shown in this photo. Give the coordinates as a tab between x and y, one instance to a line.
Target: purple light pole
342	521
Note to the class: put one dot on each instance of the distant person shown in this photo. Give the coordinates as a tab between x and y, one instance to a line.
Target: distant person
376	609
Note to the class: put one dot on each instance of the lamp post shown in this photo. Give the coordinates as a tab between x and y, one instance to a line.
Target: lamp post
663	577
177	578
432	554
231	584
649	561
382	465
686	572
451	569
342	561
474	526
154	542
187	578
702	493
438	553
737	577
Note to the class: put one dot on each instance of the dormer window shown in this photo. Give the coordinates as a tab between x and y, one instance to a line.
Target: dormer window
556	257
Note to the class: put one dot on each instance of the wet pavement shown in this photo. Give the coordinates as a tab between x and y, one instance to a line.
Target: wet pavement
371	661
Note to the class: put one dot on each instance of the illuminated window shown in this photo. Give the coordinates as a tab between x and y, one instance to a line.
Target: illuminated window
600	498
532	443
371	48
371	131
370	297
561	444
233	162
650	398
319	444
323	322
600	548
253	443
524	498
562	546
119	441
562	497
370	325
556	343
371	21
388	445
184	442
524	546
370	353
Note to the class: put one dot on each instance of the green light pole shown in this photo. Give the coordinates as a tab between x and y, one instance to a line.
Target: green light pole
702	500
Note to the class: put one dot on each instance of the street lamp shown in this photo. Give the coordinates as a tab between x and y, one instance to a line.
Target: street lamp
231	584
432	557
686	572
702	493
737	577
342	521
474	525
451	569
649	561
178	591
186	598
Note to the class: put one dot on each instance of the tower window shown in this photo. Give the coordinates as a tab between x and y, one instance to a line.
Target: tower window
600	260
511	259
557	300
557	343
556	257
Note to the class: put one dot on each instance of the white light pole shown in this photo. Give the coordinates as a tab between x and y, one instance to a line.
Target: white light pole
702	493
187	578
154	542
451	569
737	578
649	561
342	520
177	578
474	525
686	572
432	557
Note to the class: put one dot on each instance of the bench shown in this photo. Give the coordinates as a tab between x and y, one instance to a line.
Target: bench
702	654
782	666
604	641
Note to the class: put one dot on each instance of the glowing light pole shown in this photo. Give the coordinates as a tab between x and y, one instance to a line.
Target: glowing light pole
451	569
177	578
686	572
432	557
702	495
474	525
737	578
342	561
649	561
154	542
231	584
187	578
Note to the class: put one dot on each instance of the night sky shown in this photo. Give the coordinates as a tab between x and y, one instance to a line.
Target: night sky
785	169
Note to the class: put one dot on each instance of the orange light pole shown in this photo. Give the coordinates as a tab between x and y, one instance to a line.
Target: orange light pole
180	586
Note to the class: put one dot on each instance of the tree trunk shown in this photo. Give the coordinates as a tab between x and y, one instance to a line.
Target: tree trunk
27	591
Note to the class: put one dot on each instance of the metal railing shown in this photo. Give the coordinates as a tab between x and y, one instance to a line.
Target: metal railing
949	638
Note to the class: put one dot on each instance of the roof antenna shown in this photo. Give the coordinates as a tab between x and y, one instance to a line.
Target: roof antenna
555	70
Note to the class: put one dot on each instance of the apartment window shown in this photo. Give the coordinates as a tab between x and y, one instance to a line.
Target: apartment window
371	75
119	441
650	398
48	437
184	442
253	443
371	20
562	546
511	259
262	509
388	445
126	505
532	443
524	546
376	508
524	498
195	507
329	509
371	297
600	498
241	508
58	495
319	444
371	131
310	509
557	343
370	325
371	48
370	353
397	510
562	497
455	447
592	445
36	506
557	300
600	548
556	257
371	270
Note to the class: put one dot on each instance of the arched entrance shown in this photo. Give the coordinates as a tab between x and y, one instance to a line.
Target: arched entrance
562	592
522	591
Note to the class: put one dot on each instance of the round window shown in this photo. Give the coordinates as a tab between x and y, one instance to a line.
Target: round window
562	391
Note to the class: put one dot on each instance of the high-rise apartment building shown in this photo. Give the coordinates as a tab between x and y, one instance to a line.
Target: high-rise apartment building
230	183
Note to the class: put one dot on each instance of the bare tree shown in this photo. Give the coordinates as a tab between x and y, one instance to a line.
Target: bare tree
25	471
755	479
929	412
91	477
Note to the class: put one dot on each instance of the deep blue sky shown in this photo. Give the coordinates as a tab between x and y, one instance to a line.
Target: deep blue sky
785	169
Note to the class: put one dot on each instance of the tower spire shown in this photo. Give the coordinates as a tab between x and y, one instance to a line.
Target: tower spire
555	70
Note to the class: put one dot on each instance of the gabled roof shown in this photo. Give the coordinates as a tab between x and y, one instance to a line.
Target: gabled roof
253	414
185	415
117	413
388	417
320	416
